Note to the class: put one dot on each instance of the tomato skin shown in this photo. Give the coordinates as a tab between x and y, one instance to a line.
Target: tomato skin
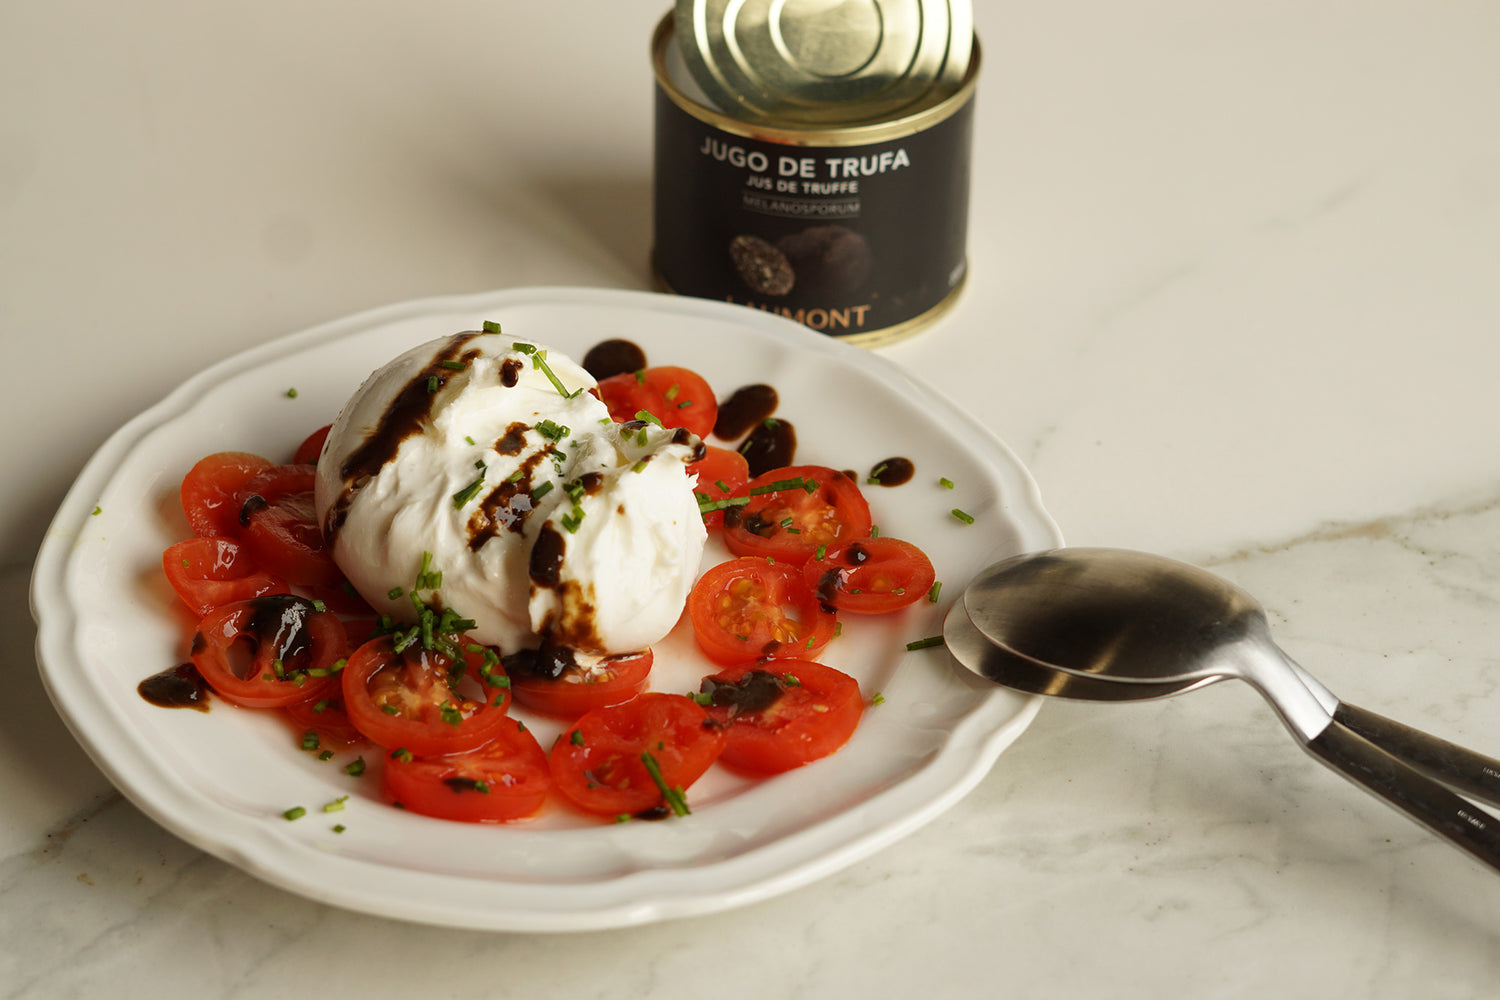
326	718
210	572
312	446
719	465
582	689
789	525
808	720
676	396
277	627
404	701
748	607
871	575
210	492
280	526
601	770
506	779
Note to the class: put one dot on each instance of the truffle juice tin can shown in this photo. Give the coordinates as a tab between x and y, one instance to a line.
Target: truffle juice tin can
857	230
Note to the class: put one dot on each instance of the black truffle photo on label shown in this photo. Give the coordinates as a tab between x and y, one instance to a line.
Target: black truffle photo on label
829	259
761	266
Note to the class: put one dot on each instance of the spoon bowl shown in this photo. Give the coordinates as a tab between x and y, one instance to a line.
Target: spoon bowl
1116	625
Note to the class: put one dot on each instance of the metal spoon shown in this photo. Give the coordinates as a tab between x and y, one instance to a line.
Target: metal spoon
1117	625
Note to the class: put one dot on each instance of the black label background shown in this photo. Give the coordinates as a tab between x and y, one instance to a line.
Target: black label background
914	220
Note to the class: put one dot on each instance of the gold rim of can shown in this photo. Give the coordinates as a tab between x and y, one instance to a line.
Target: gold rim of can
940	104
823	62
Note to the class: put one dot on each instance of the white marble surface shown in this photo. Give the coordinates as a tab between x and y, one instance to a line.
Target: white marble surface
1236	272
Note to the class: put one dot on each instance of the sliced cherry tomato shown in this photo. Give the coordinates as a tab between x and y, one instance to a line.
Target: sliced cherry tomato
677	397
747	608
210	492
312	446
280	526
506	779
208	573
268	652
422	701
871	575
795	510
327	722
721	472
600	763
580	687
780	714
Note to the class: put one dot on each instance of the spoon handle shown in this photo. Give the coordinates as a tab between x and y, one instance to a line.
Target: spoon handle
1443	812
1455	766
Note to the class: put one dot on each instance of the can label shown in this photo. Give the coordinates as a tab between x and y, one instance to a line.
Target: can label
849	240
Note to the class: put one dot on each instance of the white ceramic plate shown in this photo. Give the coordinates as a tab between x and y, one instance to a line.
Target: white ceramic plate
222	779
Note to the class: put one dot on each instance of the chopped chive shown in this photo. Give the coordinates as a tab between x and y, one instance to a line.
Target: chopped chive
296	812
927	643
326	755
390	709
394	593
310	740
821	553
648	416
452	365
946	483
336	805
674	797
97	511
434	383
468	493
723	486
640	376
491	327
401	754
339	828
470	440
932	595
878	699
355	767
963	516
577	738
291	393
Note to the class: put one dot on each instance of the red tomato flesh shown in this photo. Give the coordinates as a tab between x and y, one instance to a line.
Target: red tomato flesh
417	700
599	763
269	652
209	573
721	473
211	489
280	526
581	688
871	575
748	608
780	714
793	511
676	396
506	779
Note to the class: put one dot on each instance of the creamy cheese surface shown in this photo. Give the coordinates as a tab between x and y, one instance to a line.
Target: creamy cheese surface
489	458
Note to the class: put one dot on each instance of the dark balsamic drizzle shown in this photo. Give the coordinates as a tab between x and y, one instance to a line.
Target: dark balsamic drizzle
771	445
746	407
756	691
613	357
403	418
547	557
181	686
892	472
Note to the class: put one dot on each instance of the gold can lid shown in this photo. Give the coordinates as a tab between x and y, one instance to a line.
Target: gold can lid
824	62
